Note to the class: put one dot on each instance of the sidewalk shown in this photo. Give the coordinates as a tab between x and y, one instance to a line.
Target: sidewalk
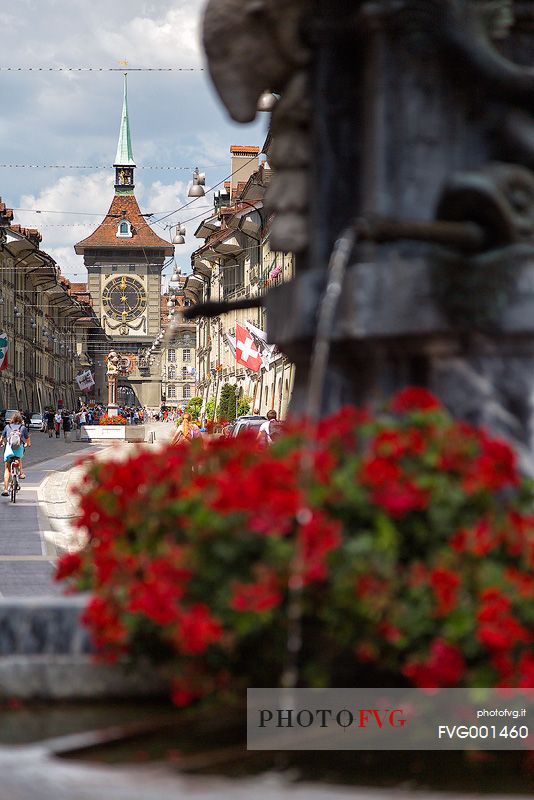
38	527
28	547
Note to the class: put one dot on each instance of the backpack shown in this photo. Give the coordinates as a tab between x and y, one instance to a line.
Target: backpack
275	429
14	437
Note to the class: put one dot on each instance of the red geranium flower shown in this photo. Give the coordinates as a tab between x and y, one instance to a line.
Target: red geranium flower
109	632
68	565
414	398
494	468
377	472
319	536
398	499
197	629
445	666
445	585
263	595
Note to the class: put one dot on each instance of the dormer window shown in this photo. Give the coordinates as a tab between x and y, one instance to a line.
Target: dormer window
124	230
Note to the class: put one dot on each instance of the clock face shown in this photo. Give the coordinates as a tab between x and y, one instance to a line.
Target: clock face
124	298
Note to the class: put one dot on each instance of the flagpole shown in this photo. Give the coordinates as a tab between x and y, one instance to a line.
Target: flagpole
256	381
235	361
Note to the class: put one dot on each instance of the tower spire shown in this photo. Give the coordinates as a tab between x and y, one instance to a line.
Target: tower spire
124	160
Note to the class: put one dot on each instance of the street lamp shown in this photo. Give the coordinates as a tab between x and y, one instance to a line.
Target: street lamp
199	181
179	234
267	101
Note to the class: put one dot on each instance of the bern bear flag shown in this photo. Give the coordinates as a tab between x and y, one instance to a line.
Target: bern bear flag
3	351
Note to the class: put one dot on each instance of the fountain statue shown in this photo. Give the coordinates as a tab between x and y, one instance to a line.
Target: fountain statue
403	144
112	362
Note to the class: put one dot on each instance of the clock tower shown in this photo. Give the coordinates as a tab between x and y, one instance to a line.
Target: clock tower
124	259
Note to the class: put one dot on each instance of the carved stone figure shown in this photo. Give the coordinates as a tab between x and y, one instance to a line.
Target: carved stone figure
254	46
416	118
113	362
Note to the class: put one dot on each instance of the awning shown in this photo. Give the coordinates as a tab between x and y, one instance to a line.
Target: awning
16	245
203	267
207	227
193	294
229	246
247	219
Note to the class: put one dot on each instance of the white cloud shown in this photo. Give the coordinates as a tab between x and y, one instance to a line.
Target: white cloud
172	41
73	117
88	193
74	205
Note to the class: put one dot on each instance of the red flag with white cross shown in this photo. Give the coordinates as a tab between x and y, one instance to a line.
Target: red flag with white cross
246	352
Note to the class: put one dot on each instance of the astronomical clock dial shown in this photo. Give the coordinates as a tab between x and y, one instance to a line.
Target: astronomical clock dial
124	298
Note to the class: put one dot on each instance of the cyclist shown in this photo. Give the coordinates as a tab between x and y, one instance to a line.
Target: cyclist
16	438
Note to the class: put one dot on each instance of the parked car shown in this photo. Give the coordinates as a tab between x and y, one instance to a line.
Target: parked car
249	423
37	421
5	417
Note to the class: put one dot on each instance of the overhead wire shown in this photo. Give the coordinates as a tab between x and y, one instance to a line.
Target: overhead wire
102	69
104	166
166	214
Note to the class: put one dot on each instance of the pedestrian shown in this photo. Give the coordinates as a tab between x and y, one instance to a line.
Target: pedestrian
49	418
66	422
57	423
270	430
226	431
27	419
186	431
16	438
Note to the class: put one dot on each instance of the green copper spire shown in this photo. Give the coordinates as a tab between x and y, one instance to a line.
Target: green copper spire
124	157
124	160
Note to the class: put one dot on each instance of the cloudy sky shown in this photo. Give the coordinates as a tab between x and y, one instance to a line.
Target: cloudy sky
72	118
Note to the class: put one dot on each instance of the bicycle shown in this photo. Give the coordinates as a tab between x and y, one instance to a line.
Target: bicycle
14	480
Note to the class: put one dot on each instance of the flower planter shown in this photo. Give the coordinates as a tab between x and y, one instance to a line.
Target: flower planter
121	433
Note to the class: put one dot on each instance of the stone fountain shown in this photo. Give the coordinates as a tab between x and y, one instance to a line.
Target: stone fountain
405	129
409	122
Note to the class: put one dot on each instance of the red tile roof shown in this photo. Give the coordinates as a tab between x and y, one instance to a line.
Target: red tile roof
238	189
236	148
124	207
79	287
6	214
29	233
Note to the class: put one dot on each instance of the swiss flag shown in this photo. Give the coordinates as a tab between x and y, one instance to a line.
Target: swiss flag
246	352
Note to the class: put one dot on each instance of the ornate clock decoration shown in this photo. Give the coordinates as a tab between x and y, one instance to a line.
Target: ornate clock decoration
124	300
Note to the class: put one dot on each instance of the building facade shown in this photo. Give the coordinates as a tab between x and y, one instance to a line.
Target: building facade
179	350
124	258
236	262
40	317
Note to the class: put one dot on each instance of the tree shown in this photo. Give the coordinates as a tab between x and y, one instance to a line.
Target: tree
193	407
227	406
243	406
210	409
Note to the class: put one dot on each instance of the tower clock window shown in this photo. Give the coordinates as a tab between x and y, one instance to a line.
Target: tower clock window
124	230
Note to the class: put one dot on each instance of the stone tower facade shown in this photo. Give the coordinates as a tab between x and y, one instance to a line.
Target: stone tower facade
124	260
